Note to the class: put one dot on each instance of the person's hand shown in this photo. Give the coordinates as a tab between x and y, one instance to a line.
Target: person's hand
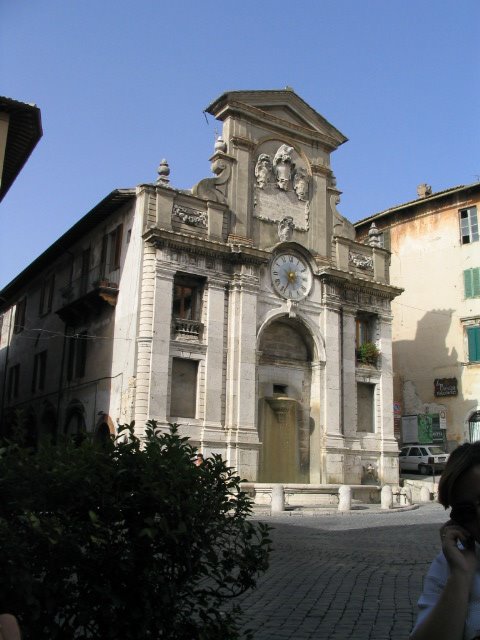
462	562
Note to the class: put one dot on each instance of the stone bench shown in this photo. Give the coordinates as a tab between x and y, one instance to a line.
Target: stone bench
311	495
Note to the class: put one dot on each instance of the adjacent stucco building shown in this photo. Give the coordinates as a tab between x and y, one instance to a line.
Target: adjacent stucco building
435	248
238	309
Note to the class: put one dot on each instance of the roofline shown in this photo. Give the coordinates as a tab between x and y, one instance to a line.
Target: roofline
101	211
435	196
24	132
214	107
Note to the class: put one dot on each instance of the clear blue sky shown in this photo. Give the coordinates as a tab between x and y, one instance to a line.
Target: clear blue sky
122	84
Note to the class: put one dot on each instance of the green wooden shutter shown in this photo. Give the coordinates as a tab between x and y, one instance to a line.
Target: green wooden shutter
467	280
476	281
473	334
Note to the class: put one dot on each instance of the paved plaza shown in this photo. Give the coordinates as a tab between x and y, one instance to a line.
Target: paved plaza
339	576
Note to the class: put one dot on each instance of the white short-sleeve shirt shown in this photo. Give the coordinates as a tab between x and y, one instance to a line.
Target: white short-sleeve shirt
433	586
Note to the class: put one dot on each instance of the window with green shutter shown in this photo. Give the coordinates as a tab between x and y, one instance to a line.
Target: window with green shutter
471	279
473	336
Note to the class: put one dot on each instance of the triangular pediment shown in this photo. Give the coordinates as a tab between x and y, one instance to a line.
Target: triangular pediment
277	109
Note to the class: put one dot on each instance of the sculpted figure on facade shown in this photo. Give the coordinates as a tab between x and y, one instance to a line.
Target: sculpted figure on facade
263	170
300	184
283	166
285	229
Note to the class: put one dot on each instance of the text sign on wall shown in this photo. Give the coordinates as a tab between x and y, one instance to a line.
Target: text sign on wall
445	387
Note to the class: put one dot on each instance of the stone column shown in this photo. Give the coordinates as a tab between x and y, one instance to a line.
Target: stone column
162	331
241	373
214	365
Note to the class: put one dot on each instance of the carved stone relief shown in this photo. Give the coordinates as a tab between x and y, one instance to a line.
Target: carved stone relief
190	216
282	188
359	260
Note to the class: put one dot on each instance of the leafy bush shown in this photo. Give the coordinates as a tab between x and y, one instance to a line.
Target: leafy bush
368	353
129	541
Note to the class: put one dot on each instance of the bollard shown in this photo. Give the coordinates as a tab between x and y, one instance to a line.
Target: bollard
424	494
278	498
344	498
408	495
386	497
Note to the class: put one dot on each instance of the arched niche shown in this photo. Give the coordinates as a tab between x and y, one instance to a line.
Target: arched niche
286	350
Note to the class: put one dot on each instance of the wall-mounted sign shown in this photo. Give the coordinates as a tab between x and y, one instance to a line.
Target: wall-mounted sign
445	387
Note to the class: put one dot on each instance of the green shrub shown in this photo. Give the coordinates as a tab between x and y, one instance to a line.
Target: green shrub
127	541
368	353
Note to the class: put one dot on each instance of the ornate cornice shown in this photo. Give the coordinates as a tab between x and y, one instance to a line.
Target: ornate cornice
243	143
202	245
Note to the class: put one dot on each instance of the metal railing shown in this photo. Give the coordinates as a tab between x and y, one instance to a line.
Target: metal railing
98	277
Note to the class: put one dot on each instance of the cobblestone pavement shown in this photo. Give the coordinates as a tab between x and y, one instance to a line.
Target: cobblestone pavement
334	577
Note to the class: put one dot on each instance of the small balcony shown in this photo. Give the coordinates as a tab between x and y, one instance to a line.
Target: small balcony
89	294
189	330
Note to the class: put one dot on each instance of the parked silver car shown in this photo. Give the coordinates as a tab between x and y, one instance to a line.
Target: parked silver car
423	458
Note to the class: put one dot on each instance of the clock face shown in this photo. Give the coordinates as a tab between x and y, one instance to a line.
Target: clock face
291	276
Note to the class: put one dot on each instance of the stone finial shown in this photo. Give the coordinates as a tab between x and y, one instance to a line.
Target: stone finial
163	173
424	190
374	236
220	145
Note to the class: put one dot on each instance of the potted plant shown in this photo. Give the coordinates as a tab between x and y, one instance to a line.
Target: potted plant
368	353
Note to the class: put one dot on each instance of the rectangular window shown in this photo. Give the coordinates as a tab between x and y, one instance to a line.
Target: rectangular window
473	340
85	272
39	371
46	295
365	407
111	251
13	382
77	356
183	396
20	311
363	331
471	281
468	225
187	296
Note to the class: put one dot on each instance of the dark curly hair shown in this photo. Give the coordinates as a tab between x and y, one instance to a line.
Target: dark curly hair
460	461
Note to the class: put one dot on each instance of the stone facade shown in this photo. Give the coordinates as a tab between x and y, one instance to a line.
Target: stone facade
249	301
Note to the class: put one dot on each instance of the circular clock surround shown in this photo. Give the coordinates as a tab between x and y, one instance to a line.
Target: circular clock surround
291	276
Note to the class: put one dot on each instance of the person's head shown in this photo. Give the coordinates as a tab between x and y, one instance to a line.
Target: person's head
460	461
459	487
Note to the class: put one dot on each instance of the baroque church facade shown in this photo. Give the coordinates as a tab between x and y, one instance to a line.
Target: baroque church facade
252	317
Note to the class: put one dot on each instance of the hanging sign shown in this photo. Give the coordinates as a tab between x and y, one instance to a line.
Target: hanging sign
445	387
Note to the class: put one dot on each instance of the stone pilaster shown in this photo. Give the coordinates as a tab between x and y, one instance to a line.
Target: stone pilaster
316	426
145	339
389	446
333	347
241	373
349	383
162	331
214	365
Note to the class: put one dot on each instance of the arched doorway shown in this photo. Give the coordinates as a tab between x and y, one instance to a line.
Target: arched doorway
474	426
284	384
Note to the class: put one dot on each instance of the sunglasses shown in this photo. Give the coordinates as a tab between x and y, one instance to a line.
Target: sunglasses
464	513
